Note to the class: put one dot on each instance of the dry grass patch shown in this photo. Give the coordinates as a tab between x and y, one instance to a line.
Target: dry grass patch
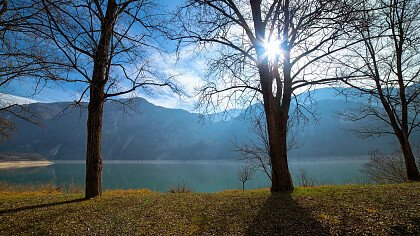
331	210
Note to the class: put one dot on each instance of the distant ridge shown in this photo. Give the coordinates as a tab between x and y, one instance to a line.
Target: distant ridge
151	132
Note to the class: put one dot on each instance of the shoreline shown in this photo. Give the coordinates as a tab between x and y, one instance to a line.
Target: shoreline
23	164
219	161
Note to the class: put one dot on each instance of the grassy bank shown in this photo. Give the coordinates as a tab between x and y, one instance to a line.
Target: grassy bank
367	209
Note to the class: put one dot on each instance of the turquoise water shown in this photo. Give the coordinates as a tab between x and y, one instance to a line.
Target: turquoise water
202	176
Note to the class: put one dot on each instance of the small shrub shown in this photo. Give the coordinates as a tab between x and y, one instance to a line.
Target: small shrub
74	188
304	179
180	187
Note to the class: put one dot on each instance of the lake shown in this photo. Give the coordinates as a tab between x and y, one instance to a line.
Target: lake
202	176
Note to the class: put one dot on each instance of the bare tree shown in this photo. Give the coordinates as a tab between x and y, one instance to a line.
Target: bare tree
305	179
19	58
268	49
103	46
244	174
16	62
256	150
7	128
9	111
385	168
385	66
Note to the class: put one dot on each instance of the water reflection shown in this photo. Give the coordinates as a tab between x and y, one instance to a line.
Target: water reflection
202	176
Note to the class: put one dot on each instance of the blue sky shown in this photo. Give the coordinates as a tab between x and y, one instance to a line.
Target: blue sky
188	67
189	70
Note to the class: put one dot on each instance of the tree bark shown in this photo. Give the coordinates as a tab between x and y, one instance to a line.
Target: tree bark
277	131
277	118
410	161
94	146
96	104
276	112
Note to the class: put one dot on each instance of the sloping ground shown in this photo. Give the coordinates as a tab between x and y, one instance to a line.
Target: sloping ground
342	210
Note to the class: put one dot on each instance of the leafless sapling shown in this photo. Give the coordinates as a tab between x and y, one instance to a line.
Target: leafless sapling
244	174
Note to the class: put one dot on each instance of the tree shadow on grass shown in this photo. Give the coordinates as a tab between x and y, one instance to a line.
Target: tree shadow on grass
404	229
282	215
14	210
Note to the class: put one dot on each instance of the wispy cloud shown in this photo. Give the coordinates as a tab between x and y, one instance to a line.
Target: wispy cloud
186	69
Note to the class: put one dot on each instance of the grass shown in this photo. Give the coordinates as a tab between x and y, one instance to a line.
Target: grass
337	210
13	189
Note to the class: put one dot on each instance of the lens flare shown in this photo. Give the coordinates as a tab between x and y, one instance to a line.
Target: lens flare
273	49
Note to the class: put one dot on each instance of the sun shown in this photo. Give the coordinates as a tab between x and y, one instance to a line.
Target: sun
272	49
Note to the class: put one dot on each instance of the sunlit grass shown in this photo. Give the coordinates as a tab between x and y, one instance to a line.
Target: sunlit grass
8	188
351	209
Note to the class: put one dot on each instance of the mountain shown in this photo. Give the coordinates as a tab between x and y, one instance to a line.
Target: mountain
149	132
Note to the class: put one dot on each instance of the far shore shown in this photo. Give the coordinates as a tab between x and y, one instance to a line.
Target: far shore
23	164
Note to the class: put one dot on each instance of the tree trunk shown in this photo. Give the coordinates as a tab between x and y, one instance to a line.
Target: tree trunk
243	186
96	105
276	117
410	161
277	131
94	146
